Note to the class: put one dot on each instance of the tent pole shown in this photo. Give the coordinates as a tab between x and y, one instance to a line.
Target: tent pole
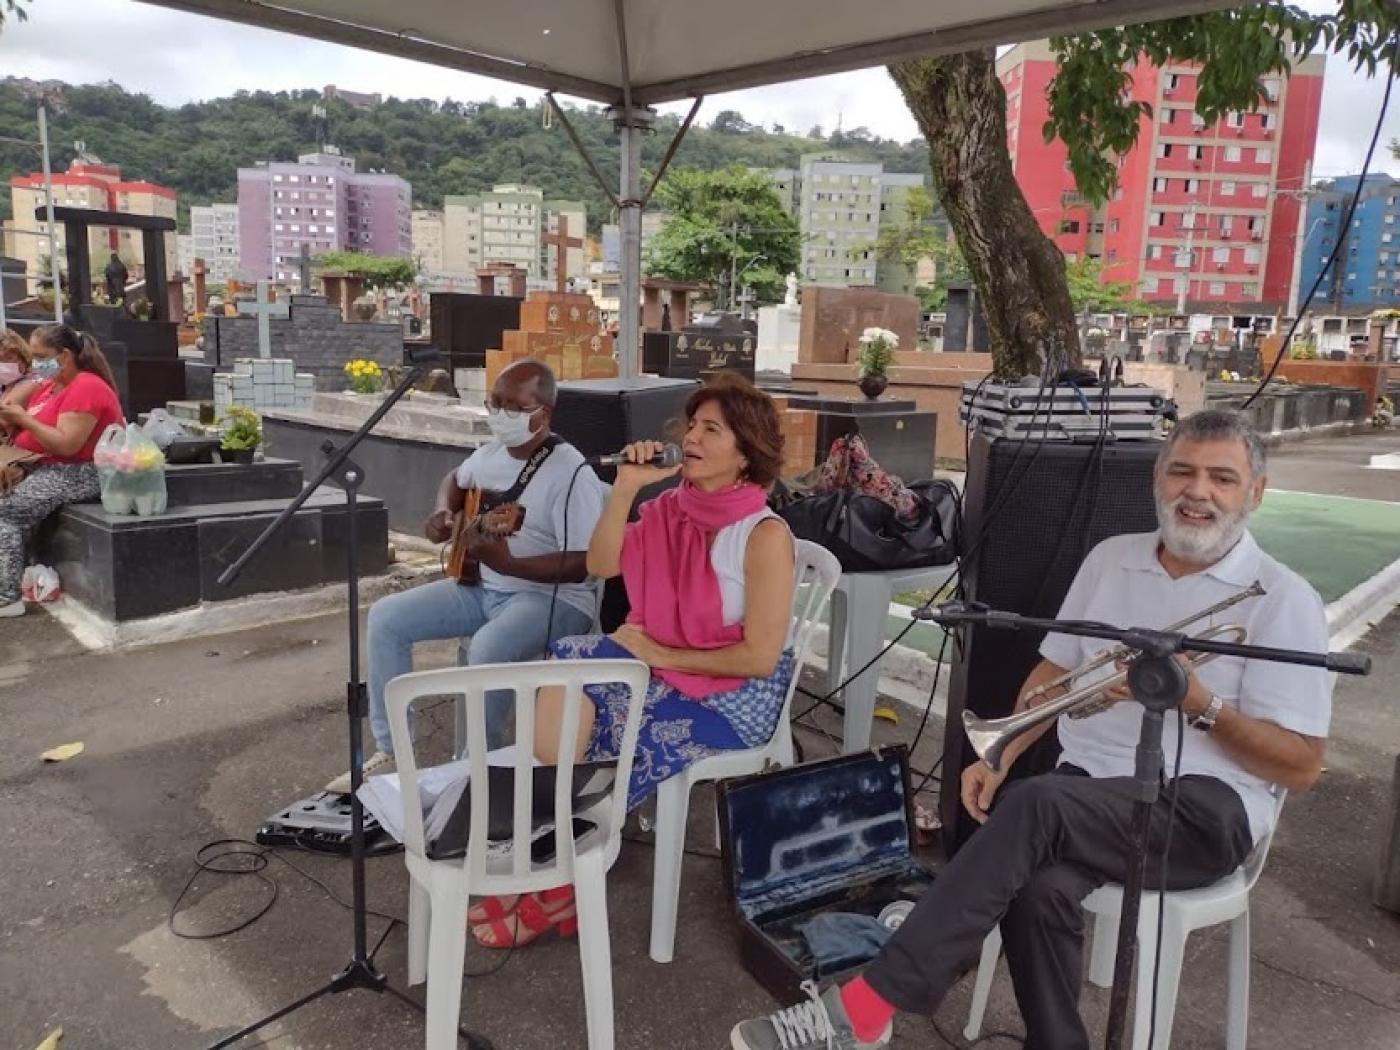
631	126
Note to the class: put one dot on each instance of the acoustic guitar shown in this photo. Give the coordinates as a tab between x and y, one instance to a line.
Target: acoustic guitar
473	523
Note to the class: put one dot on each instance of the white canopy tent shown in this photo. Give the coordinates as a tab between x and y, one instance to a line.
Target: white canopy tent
632	54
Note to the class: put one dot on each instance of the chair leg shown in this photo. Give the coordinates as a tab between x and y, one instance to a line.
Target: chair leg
1169	980
1237	1012
1103	950
982	987
419	918
447	946
672	810
595	950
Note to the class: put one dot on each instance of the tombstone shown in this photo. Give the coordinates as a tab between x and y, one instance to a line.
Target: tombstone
201	289
834	318
176	293
660	296
501	279
13	286
304	270
560	329
779	336
721	342
981	336
342	290
957	316
1173	347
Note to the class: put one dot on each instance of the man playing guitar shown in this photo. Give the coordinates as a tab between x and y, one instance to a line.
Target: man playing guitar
513	612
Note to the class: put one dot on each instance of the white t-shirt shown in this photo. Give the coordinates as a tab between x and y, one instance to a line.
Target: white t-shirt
493	467
1122	583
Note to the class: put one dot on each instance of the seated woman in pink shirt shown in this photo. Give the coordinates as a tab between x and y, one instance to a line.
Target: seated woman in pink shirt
60	422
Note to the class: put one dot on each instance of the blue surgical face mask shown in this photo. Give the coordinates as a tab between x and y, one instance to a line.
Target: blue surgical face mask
45	367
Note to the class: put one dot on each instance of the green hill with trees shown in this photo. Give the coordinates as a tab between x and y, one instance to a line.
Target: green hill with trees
440	147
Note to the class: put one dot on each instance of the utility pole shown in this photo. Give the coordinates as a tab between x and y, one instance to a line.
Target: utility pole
1184	260
48	201
1300	239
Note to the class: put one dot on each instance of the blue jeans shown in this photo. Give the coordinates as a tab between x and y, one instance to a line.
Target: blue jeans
497	627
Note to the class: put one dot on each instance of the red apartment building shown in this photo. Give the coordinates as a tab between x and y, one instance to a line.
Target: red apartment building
1225	197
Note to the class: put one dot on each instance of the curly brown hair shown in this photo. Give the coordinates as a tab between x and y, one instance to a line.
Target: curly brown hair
753	417
11	342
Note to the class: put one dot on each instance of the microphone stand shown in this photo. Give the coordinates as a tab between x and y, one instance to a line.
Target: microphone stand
1159	683
360	972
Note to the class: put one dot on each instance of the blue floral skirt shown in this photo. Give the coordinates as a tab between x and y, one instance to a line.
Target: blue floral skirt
677	730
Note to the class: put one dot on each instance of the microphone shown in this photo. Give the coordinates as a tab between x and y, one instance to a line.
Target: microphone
669	456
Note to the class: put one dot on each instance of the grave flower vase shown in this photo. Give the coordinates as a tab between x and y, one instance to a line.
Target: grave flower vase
873	385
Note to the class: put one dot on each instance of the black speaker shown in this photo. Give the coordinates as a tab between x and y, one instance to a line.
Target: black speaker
1031	511
465	325
598	416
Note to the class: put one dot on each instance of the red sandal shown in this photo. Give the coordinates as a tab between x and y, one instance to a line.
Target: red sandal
492	909
534	917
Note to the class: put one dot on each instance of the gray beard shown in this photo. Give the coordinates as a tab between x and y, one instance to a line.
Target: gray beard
1199	546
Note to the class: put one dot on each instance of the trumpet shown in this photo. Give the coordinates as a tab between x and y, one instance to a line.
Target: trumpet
1119	652
989	737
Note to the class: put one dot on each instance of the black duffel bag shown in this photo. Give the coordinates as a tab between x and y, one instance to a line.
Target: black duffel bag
866	535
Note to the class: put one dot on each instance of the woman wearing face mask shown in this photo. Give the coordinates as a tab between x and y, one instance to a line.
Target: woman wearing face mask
15	380
60	422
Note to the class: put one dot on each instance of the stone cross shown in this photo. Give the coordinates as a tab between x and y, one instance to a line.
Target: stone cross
745	300
264	308
562	243
304	268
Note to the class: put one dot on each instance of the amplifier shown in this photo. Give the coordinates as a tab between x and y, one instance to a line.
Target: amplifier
1031	511
598	416
1065	412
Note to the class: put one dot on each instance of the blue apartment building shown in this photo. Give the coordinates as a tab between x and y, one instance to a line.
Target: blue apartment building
1366	275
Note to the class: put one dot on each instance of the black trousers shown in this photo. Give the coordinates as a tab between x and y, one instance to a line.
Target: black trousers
1049	842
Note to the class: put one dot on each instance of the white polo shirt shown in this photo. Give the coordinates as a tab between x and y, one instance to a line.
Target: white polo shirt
1122	583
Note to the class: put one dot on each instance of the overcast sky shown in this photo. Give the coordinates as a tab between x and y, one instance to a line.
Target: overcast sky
178	58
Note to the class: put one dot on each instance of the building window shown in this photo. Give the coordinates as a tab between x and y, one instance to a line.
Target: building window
1164	149
1069	226
1195	152
1154	251
1227	188
1217	287
1234	120
1227	224
1221	255
1159	185
1168	116
1270	122
1390	220
1261	189
1173	81
1264	155
1193	185
1156	218
1232	154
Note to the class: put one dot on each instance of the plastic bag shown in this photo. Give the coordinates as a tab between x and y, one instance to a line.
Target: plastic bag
131	469
161	428
40	584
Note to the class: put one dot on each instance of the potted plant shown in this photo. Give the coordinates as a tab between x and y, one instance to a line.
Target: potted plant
141	309
877	347
363	376
241	434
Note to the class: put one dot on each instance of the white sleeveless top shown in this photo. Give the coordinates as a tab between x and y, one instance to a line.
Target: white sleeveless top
727	559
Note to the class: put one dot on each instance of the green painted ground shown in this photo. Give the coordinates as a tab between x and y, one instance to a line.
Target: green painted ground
1333	542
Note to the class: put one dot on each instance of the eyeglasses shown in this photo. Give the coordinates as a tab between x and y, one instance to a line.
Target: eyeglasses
510	411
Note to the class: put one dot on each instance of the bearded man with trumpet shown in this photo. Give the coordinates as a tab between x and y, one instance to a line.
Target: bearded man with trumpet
1048	841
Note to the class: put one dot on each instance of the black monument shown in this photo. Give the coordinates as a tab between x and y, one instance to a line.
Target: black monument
708	344
145	355
464	325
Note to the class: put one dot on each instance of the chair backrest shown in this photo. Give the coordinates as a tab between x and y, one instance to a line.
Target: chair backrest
815	575
1254	863
516	869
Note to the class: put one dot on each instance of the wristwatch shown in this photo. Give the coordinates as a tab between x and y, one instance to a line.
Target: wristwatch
1205	721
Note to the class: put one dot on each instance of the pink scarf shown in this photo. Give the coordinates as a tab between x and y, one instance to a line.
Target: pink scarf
671	585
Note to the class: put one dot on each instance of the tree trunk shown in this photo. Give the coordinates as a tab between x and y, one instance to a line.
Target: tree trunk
1019	272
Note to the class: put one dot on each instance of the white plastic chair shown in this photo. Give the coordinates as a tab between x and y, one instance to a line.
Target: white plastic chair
817	569
1186	911
439	889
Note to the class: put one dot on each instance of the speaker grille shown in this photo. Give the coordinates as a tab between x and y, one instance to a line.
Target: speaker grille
1038	508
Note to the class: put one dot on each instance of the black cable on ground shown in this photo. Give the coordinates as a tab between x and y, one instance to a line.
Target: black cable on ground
1341	239
254	860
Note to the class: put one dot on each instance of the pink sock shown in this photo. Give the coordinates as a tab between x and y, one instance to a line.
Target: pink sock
868	1012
